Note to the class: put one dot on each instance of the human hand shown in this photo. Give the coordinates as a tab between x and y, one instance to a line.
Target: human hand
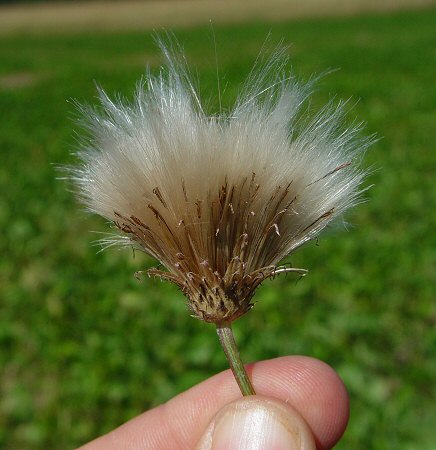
302	404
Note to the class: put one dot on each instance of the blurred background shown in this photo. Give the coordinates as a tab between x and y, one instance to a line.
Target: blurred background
84	346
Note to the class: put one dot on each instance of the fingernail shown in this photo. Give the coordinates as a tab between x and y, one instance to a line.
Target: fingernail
257	425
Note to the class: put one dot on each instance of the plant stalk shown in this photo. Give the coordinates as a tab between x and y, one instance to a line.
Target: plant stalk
228	344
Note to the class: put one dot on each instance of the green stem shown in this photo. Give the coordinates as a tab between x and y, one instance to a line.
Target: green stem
228	344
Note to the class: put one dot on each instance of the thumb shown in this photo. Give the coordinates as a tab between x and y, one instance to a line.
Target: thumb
257	423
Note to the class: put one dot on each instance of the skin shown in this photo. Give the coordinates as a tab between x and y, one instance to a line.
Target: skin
309	386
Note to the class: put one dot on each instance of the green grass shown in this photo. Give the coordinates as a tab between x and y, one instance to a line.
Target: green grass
84	346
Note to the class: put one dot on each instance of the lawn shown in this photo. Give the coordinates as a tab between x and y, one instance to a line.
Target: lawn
84	346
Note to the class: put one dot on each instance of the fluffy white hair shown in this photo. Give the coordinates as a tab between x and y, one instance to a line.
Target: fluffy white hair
219	200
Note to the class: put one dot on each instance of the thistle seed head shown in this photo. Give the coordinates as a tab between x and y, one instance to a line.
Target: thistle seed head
218	201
